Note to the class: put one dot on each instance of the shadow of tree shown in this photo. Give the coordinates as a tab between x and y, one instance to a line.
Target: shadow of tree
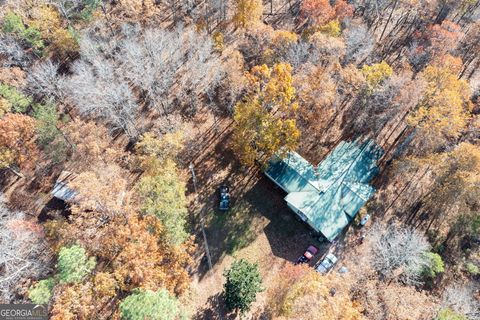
236	225
214	309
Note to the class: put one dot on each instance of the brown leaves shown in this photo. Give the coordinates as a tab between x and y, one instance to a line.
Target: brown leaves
309	295
102	189
74	302
139	259
321	12
17	141
91	143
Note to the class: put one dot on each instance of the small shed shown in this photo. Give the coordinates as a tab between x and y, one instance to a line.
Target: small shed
61	190
328	196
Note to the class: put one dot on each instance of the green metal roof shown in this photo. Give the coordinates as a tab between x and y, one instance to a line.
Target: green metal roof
329	196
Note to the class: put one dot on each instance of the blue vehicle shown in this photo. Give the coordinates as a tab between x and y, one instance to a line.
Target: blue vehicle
224	198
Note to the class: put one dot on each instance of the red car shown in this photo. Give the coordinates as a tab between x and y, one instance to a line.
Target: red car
308	255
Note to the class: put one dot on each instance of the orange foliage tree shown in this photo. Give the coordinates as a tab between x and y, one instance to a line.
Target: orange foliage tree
436	41
17	141
320	12
141	257
302	293
135	247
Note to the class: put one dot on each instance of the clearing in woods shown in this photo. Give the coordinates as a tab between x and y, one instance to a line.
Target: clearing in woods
258	227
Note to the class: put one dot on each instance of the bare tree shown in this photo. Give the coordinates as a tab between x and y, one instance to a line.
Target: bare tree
23	251
12	52
399	253
390	101
165	69
170	66
67	7
150	63
202	70
44	81
98	91
98	88
461	299
359	42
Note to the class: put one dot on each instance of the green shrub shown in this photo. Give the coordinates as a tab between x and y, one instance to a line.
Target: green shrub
32	36
73	264
90	7
434	265
242	285
41	292
152	305
12	23
163	195
50	138
449	314
47	122
472	269
17	100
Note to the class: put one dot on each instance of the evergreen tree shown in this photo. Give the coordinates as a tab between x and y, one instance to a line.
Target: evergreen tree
74	264
152	305
243	284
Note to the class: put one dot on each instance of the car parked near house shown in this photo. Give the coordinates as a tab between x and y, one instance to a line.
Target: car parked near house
364	220
307	255
327	263
224	193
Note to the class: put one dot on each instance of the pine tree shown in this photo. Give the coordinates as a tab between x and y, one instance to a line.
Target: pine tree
242	285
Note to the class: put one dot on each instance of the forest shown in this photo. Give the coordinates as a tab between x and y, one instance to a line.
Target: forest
121	122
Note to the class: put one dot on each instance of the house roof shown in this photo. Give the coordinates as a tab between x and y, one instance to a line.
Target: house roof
331	194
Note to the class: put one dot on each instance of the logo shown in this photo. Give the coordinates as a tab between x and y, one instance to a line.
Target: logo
23	312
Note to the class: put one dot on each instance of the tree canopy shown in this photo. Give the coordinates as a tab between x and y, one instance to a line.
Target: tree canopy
148	304
264	122
74	264
243	282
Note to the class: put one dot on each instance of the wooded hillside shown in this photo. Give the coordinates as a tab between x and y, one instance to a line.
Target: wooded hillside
121	119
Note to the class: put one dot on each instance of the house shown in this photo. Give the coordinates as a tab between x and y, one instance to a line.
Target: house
327	197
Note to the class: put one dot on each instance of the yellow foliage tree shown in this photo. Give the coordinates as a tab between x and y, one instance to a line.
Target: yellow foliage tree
152	151
49	22
445	108
247	13
376	73
4	106
273	86
331	29
264	122
455	190
315	296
